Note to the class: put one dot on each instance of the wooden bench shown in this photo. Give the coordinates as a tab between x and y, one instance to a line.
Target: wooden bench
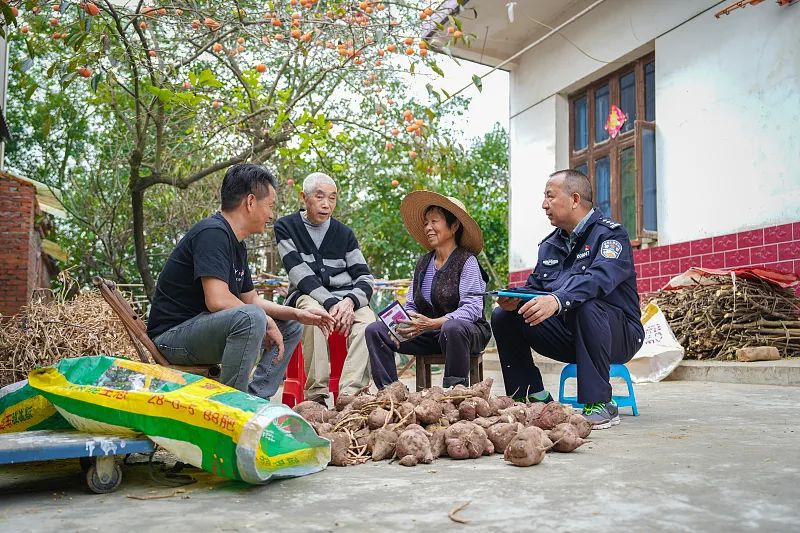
137	331
424	363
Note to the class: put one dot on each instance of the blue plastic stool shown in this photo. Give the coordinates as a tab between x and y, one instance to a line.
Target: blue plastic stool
616	371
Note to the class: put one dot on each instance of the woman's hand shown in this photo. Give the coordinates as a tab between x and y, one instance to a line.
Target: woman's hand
419	324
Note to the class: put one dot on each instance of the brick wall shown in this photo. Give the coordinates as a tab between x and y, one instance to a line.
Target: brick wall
518	277
775	247
18	271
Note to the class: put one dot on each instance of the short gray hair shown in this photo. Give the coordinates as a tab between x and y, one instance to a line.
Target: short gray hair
576	181
314	179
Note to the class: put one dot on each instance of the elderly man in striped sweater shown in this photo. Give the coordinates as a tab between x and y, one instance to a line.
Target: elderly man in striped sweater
327	271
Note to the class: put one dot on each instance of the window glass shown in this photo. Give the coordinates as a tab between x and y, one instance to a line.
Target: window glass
627	99
649	214
601	108
650	91
627	165
602	185
581	111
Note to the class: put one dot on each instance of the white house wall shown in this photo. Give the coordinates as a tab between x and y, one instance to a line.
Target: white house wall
608	32
728	123
533	155
727	114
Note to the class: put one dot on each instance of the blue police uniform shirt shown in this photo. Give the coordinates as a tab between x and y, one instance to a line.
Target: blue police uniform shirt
599	265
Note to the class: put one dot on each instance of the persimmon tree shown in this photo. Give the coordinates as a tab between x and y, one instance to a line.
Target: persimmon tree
372	183
184	89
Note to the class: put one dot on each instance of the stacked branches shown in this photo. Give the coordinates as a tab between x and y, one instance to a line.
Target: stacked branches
712	321
52	328
462	423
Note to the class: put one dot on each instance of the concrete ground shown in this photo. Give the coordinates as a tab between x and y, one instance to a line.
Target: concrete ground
700	457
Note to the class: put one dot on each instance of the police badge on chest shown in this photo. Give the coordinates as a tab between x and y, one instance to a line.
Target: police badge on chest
584	254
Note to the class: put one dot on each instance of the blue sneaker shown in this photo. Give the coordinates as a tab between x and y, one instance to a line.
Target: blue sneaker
601	415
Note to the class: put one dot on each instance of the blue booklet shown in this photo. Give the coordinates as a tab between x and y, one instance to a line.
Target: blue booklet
512	292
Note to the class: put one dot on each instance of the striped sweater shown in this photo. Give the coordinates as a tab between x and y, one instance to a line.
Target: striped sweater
335	270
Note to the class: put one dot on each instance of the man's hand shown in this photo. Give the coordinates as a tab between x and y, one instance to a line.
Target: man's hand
274	338
539	309
508	304
343	316
419	324
316	317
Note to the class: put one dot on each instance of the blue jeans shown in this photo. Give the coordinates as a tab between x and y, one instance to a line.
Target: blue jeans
234	339
270	374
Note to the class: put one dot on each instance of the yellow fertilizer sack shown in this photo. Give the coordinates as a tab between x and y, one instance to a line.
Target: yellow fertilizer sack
204	423
24	409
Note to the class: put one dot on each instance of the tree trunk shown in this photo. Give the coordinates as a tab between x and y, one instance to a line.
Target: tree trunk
142	263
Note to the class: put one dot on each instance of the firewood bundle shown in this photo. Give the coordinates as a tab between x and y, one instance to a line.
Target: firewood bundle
712	321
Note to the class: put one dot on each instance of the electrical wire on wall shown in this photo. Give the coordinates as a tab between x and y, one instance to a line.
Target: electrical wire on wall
570	41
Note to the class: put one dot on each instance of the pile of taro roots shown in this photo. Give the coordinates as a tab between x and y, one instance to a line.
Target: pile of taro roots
462	423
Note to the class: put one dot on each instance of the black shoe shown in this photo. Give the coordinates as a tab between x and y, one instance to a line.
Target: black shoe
322	400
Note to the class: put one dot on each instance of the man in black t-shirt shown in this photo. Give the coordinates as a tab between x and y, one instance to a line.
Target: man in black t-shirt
205	309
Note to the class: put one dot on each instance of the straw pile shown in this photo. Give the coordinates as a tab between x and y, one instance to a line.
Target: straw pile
53	327
711	321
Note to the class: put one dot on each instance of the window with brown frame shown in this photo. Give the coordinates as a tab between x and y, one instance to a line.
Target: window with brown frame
622	170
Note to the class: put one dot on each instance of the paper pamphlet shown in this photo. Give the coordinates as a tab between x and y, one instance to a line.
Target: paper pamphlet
393	316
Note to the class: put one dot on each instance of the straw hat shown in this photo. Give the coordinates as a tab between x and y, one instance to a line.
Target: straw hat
413	207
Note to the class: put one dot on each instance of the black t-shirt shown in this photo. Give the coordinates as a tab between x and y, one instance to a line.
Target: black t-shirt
209	249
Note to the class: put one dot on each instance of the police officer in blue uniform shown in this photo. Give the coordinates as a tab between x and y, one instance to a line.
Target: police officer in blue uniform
591	316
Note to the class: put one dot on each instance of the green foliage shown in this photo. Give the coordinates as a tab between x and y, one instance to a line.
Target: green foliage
477	175
135	114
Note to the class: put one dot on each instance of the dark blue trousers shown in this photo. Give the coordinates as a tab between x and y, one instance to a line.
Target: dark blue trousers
593	336
456	341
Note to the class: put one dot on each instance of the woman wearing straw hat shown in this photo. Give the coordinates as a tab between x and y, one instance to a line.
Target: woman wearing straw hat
446	315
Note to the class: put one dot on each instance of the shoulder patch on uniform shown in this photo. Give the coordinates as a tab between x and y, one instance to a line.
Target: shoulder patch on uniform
611	249
609	223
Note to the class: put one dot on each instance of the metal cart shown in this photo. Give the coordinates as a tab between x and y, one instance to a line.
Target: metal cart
97	453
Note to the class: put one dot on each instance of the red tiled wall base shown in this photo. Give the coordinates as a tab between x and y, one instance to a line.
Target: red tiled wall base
518	277
775	247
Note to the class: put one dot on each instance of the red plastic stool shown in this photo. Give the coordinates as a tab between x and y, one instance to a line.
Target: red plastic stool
337	348
295	379
295	383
